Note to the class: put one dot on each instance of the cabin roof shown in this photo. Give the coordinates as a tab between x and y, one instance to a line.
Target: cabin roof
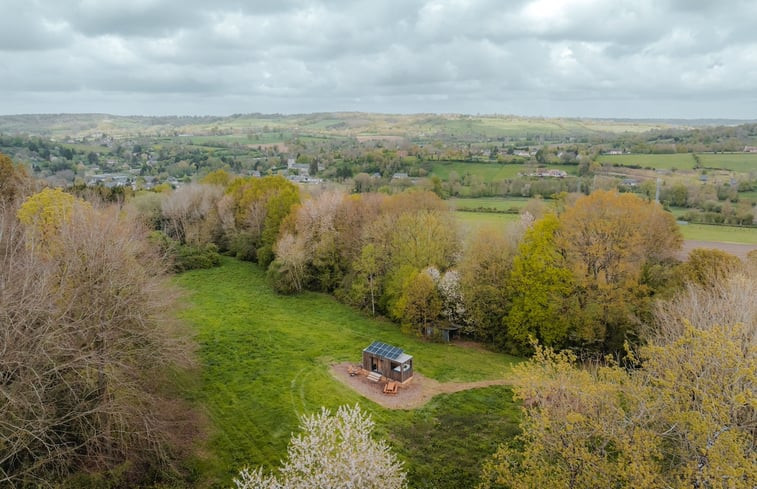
387	351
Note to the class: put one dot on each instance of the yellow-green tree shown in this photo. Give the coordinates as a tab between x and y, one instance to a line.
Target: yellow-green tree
45	213
708	267
419	305
541	287
258	207
684	419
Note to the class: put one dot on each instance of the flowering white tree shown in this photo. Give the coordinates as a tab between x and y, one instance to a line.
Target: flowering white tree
332	452
453	305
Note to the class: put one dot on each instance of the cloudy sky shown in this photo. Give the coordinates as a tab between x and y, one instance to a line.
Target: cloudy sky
587	58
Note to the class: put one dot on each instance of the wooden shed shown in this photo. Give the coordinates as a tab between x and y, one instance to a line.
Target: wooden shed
389	361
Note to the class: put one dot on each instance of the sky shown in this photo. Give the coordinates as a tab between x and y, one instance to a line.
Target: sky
571	58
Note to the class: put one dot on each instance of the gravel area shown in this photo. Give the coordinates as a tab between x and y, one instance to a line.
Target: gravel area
413	394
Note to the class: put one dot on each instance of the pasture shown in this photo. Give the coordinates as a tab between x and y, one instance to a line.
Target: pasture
720	234
470	222
488	172
265	361
489	204
675	161
736	162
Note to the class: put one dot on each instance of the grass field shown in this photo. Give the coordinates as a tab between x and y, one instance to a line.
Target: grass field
720	234
739	162
472	221
489	172
679	161
497	204
265	361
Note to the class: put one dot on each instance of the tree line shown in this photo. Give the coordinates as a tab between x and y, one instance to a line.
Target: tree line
579	273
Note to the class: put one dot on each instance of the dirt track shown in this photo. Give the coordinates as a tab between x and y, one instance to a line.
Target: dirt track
739	250
414	394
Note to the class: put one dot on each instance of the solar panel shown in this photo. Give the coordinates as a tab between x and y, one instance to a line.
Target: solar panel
384	350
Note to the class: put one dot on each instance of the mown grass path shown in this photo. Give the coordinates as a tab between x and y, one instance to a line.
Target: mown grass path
265	361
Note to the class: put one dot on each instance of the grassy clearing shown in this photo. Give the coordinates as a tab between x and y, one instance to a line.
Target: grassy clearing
471	222
265	361
720	234
679	161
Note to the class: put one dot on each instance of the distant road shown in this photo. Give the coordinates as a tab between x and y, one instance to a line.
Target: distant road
739	250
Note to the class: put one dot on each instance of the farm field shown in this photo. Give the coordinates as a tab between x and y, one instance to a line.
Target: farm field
472	221
678	161
738	162
720	234
265	361
494	203
488	172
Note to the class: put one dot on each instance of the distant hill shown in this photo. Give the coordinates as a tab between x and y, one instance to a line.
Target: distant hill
414	126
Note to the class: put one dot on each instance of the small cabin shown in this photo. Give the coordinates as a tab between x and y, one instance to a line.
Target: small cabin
389	361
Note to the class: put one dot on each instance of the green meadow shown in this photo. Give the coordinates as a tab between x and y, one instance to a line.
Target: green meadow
490	204
265	361
471	221
488	172
737	162
678	161
720	234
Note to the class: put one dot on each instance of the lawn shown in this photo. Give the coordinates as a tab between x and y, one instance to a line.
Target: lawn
265	361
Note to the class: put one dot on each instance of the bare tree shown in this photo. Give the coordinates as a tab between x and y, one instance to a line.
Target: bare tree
84	338
188	212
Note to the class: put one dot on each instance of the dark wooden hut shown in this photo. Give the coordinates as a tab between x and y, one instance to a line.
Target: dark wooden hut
389	361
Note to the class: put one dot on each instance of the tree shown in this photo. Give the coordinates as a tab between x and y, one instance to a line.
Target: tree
85	344
14	180
607	240
706	266
256	208
367	269
334	452
419	305
190	213
287	272
730	300
684	419
484	275
46	214
542	286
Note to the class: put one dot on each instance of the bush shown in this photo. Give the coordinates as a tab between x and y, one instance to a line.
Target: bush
185	257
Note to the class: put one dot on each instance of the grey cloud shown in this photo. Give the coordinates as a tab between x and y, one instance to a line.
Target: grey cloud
548	57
